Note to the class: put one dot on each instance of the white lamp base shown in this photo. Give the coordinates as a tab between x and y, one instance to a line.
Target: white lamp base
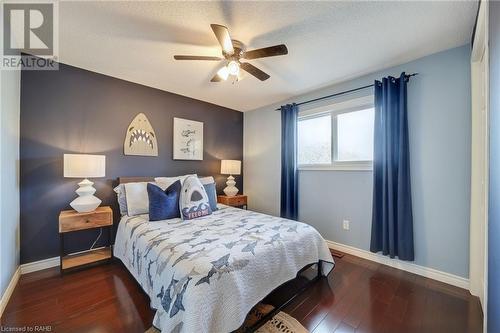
86	201
231	190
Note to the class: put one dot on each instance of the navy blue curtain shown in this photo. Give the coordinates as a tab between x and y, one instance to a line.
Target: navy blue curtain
289	175
392	219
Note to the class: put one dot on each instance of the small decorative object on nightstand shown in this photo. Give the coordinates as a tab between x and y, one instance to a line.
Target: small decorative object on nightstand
83	166
239	200
230	167
70	221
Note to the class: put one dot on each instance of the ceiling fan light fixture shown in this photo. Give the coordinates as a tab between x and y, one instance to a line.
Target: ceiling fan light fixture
232	52
223	73
233	67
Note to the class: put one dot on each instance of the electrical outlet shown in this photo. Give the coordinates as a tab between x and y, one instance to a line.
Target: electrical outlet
345	224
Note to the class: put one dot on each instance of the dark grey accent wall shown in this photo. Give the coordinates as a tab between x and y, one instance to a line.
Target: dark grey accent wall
77	111
494	177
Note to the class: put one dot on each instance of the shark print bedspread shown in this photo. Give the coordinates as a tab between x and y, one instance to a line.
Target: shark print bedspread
204	275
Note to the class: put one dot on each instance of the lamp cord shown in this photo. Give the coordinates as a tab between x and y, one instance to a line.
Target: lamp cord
98	236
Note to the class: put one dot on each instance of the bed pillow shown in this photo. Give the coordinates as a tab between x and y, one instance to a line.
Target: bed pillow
122	199
137	198
164	204
165	182
209	185
194	199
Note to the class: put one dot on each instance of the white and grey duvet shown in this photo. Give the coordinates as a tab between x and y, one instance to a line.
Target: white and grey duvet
205	275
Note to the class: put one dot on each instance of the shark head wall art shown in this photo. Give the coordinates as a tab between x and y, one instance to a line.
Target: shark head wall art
141	138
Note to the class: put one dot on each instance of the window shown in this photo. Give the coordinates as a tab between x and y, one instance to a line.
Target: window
314	140
337	137
355	135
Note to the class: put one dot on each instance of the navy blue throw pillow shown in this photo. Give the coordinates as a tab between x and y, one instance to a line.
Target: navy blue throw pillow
164	205
212	195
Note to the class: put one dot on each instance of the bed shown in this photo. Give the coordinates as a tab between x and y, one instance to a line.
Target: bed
206	274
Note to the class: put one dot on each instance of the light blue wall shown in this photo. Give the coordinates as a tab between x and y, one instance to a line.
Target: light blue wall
9	171
439	124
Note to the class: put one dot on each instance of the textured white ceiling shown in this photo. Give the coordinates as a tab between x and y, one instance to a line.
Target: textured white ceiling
327	42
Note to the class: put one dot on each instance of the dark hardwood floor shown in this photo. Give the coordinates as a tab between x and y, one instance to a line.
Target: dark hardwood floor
359	296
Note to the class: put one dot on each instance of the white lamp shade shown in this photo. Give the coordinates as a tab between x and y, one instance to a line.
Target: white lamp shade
84	166
230	167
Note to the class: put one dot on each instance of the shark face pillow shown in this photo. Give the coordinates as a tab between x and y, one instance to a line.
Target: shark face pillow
194	201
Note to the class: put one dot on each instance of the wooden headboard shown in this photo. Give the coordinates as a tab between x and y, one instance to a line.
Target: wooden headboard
124	180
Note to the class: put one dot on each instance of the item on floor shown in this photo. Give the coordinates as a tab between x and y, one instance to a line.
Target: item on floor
188	139
70	221
230	167
280	323
140	139
238	200
164	204
85	166
194	199
336	254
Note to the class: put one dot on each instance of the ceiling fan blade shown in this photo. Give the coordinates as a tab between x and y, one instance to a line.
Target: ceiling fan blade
189	57
223	37
270	51
251	69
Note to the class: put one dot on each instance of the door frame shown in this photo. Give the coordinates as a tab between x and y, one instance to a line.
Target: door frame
478	261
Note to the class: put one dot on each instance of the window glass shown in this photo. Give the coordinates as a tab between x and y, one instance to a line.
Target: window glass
355	135
315	140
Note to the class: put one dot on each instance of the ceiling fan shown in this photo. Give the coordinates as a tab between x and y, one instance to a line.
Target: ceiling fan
233	51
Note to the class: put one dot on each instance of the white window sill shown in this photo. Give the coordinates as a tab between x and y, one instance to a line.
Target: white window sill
345	166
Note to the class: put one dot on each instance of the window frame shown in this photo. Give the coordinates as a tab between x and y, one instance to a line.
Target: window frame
335	109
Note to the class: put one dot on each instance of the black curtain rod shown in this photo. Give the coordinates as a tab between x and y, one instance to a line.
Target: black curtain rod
342	93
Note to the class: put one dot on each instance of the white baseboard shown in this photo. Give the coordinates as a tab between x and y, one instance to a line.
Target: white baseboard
9	290
39	265
430	273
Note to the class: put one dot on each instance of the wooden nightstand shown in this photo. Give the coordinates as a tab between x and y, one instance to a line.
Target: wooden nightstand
71	221
238	200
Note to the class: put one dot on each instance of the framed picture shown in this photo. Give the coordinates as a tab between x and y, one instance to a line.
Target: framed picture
188	139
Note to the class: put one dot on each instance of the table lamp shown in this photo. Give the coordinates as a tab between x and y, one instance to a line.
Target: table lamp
230	167
84	166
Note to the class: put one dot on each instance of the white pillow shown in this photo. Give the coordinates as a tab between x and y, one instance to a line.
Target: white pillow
137	198
165	182
122	198
207	180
